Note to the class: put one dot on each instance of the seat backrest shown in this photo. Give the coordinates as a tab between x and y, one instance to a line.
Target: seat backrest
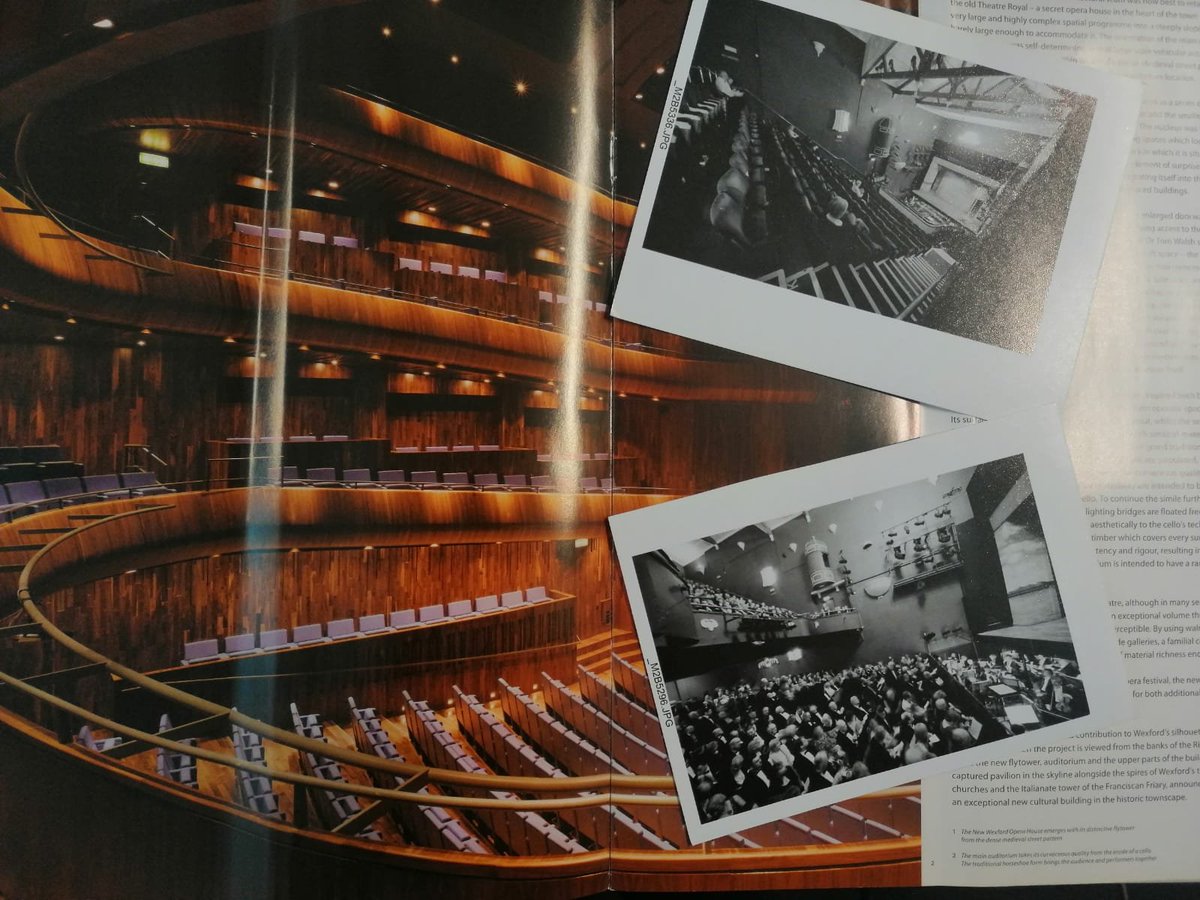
457	608
200	649
487	478
468	271
273	639
495	275
26	491
486	604
456	478
307	632
302	438
355	476
339	628
139	479
461	447
336	437
606	484
322	473
237	643
589	482
402	618
391	476
489	447
516	480
425	477
534	594
97	483
512	598
441	268
404	262
541	480
62	487
373	622
407	450
439	448
431	613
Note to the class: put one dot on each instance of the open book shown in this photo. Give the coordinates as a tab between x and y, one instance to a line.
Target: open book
314	413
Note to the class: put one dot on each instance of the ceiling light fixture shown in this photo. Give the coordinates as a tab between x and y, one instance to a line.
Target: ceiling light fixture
104	23
386	31
521	87
660	70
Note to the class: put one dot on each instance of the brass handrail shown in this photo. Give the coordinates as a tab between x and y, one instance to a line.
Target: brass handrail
207	708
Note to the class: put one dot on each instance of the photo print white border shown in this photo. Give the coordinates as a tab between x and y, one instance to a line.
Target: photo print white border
1037	435
903	359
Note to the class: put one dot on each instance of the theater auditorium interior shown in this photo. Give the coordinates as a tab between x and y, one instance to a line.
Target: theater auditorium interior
311	418
851	639
885	177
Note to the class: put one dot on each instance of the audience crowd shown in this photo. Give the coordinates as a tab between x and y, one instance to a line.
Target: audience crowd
754	744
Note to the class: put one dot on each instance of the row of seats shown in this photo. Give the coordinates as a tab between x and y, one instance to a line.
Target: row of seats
26	497
422	824
176	766
603	825
398	479
632	682
31	471
249	643
333	807
581	757
629	715
522	832
254	792
589	722
739	208
836	176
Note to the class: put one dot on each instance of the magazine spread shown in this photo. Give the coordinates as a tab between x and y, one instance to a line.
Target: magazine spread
492	447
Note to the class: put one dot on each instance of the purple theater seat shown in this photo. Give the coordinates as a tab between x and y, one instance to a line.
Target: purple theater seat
487	479
104	486
512	598
487	604
20	492
341	628
356	476
392	476
240	644
459	448
201	651
275	639
456	478
402	618
457	609
321	474
424	477
432	613
441	448
534	594
372	624
489	447
303	635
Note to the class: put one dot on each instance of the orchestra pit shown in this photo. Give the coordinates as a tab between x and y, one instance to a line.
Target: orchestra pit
311	419
857	169
860	637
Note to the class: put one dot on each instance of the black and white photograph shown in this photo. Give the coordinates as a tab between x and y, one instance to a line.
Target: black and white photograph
859	640
886	167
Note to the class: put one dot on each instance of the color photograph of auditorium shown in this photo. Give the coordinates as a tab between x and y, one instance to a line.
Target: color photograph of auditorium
888	178
311	420
860	637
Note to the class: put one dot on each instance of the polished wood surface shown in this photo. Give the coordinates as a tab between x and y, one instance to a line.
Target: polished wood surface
205	301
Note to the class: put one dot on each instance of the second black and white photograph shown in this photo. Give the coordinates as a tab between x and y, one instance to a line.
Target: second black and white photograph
859	640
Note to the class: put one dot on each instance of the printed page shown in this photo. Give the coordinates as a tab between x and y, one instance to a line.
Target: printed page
1118	804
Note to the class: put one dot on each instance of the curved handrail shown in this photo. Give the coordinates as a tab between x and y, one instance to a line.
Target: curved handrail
208	708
